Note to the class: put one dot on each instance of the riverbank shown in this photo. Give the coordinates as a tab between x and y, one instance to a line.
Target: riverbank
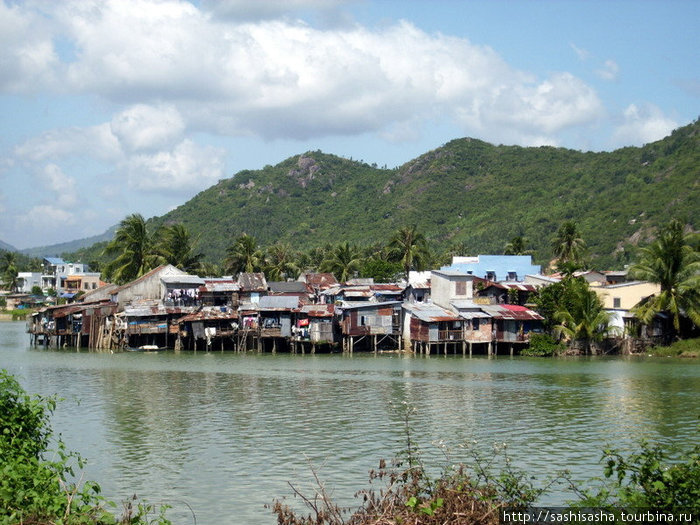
688	348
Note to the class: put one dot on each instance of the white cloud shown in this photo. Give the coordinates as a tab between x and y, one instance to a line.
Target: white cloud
581	53
143	127
177	65
187	166
47	217
63	186
609	71
28	60
642	124
94	141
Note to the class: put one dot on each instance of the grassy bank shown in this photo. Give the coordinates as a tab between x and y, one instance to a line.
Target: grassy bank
685	348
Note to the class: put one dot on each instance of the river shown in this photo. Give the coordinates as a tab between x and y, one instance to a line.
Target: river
224	433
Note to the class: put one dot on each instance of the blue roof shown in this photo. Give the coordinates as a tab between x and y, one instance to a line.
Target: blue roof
501	265
54	260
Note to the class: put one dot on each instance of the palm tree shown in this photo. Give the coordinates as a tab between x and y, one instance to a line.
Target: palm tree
243	255
8	271
343	261
280	262
134	249
568	245
673	262
584	319
175	245
517	246
409	247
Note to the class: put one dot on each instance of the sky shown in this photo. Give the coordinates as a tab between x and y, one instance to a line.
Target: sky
113	107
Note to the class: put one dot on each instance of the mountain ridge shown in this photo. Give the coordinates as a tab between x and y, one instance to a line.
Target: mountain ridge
467	193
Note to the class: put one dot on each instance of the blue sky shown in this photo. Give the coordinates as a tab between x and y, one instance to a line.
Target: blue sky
111	107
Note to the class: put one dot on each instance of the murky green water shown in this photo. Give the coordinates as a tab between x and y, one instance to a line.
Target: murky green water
226	432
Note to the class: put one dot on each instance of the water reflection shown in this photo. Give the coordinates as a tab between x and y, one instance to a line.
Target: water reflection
226	432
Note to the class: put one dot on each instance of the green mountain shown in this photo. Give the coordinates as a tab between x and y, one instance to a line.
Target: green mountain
7	247
467	193
56	250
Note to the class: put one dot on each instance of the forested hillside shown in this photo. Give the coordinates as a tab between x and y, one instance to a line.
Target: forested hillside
466	194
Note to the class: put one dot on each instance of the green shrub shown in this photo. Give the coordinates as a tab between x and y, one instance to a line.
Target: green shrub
38	490
648	479
542	345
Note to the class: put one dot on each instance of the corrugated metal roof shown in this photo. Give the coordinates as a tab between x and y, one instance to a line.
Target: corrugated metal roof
318	310
252	282
208	314
182	279
278	302
221	285
474	315
320	281
430	313
511	311
356	305
287	287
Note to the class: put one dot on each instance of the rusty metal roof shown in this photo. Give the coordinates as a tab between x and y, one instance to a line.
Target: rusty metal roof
220	285
430	313
320	281
252	282
511	311
318	310
210	313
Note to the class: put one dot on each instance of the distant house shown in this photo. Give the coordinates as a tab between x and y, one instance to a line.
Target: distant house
370	325
513	323
148	287
495	267
450	285
27	281
314	324
253	286
418	289
507	292
219	292
275	319
619	299
318	282
428	326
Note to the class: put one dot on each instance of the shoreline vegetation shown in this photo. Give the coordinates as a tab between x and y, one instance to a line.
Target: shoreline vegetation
36	490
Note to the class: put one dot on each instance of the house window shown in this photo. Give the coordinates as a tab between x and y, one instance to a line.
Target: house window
616	302
460	288
475	323
491	275
512	276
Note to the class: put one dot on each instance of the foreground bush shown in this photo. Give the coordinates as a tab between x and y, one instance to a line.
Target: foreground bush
36	482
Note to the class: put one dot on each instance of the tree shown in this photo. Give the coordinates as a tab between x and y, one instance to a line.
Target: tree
673	262
409	247
280	262
583	318
8	271
343	261
517	246
134	249
243	255
568	245
175	245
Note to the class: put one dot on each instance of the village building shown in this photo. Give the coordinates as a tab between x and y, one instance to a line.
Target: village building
495	267
619	300
369	325
314	328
